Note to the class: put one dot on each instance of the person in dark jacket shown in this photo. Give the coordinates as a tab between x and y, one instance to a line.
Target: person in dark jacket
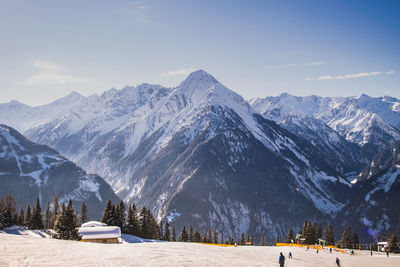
281	260
337	262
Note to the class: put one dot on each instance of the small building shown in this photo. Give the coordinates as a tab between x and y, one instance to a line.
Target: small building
98	232
382	246
321	242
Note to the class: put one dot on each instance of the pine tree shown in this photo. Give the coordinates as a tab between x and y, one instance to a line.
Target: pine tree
21	217
161	227
308	232
107	214
84	214
56	208
215	236
173	234
393	243
37	221
183	236
66	223
114	216
154	228
314	230
196	236
7	211
119	218
167	235
209	236
319	232
305	229
290	236
346	240
48	217
330	236
251	239
191	233
133	221
242	239
6	217
262	242
28	217
222	238
143	222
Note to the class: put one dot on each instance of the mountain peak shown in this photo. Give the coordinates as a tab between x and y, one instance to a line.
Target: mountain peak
198	78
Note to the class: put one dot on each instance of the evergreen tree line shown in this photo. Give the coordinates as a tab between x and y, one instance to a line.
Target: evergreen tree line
392	241
312	231
143	224
211	236
64	220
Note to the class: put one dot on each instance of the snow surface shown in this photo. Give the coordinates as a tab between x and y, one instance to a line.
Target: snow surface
17	250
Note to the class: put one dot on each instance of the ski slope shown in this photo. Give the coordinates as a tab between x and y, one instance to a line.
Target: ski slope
26	250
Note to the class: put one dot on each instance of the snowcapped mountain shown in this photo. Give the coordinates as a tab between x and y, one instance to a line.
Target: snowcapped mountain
372	123
29	170
198	154
374	208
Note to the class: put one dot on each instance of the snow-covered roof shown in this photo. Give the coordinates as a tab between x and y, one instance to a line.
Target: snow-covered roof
93	224
382	243
99	232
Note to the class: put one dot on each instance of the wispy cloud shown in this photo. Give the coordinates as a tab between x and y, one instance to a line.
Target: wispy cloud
351	76
314	63
135	9
178	72
45	65
50	73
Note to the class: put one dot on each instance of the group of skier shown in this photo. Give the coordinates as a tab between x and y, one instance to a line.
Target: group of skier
282	258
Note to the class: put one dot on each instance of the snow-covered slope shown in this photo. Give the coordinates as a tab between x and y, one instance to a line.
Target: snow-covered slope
29	170
373	123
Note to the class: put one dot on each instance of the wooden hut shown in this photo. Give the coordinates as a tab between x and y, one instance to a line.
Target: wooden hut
98	232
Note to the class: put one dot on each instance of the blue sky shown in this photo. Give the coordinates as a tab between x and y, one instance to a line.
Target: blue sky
256	48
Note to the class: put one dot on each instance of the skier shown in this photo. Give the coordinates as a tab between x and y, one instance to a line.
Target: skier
338	262
290	255
281	260
387	253
371	252
330	250
352	252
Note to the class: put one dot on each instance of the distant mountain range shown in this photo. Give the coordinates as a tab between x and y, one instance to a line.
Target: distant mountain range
200	154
